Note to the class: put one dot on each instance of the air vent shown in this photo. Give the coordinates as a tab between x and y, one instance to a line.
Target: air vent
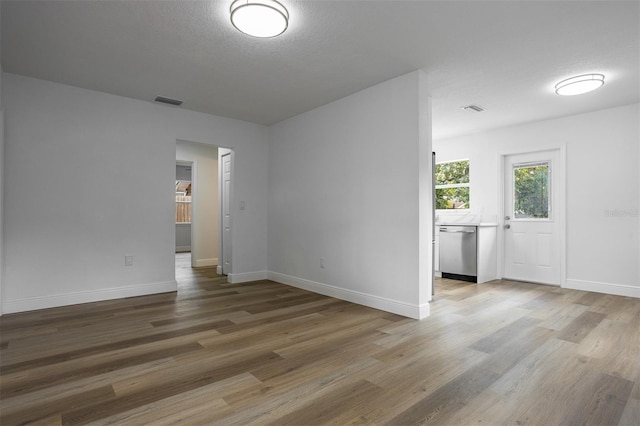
168	101
475	108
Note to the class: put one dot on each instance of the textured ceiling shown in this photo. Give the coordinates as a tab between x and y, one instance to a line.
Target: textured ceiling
503	55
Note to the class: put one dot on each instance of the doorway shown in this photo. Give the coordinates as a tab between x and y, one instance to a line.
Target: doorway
184	196
202	203
534	215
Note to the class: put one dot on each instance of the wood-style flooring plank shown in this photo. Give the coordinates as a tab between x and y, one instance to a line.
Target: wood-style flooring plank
43	411
280	400
609	396
59	375
447	399
141	390
66	356
505	335
198	406
631	414
324	410
581	326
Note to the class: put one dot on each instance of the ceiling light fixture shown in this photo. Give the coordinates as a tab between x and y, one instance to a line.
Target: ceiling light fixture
580	84
259	18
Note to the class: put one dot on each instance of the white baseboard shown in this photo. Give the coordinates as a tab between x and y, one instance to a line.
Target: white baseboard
607	288
424	311
199	263
246	277
54	301
182	249
370	300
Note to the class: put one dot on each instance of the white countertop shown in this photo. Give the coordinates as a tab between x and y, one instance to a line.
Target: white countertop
468	219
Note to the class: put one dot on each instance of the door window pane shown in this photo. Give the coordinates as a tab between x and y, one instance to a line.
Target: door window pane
531	191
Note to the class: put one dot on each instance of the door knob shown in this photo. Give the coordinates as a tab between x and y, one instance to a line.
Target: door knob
507	226
507	218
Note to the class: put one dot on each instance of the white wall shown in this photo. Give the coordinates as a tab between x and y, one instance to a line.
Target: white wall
347	184
1	181
204	209
72	158
1	193
1	203
602	188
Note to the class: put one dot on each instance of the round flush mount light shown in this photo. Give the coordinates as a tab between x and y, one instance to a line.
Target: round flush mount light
259	18
580	84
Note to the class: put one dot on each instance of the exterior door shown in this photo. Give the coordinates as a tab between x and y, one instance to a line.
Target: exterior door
532	219
226	214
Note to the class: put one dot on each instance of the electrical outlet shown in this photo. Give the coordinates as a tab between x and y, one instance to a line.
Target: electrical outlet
128	261
322	262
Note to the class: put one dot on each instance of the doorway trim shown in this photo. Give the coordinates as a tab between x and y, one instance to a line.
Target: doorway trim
561	176
225	251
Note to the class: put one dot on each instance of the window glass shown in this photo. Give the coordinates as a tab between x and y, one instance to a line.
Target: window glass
452	185
531	191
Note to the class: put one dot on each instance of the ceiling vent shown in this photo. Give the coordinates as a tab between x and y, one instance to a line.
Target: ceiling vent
168	101
476	108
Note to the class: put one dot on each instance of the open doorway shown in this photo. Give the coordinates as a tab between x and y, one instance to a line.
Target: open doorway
197	203
184	196
203	199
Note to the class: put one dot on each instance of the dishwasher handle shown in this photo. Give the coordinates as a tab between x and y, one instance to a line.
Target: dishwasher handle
456	231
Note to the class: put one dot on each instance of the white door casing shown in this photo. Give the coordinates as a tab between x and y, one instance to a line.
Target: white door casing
226	214
532	223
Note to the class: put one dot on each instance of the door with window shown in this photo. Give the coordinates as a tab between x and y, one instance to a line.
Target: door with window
532	217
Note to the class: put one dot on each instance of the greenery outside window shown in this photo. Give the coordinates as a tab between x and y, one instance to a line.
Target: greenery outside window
531	191
452	185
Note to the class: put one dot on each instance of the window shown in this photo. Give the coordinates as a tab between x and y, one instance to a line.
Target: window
531	191
452	185
183	201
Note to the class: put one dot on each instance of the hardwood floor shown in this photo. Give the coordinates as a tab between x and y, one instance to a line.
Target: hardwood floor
264	353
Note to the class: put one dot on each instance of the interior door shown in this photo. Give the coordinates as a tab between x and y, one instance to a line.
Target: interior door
532	219
226	214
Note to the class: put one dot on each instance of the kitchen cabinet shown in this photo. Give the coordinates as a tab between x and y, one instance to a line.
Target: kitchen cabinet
487	253
436	249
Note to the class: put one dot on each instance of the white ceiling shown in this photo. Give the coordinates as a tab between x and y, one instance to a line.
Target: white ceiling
503	55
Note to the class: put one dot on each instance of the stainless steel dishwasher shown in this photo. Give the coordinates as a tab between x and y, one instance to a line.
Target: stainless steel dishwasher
458	252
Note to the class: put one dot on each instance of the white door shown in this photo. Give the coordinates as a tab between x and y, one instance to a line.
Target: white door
532	217
226	214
